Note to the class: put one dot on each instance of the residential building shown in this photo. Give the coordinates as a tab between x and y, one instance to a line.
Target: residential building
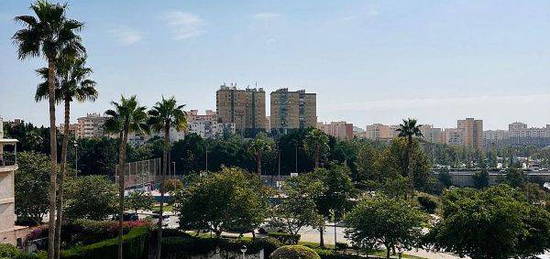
453	136
90	126
339	129
472	132
245	108
520	130
210	129
72	128
379	131
292	110
359	132
431	134
9	232
209	115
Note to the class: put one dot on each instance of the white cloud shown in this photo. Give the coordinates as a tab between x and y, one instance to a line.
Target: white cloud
184	25
266	16
126	35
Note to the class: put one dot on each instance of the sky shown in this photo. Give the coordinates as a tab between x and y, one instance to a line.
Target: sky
368	61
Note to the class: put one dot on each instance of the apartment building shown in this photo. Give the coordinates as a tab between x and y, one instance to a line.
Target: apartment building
90	126
210	129
378	131
472	132
339	129
293	110
243	107
431	134
453	136
520	130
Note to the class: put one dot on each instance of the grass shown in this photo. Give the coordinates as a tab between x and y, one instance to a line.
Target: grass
166	208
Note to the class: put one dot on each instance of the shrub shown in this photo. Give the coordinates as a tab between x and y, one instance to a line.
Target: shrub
185	246
428	203
294	252
341	246
331	254
285	238
90	231
8	251
135	247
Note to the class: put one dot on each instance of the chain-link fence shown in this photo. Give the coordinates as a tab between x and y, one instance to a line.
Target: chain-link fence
141	173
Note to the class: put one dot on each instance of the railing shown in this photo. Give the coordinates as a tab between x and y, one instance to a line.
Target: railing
8	158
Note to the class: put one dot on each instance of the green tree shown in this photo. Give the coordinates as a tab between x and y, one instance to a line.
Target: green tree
90	197
481	179
514	177
494	223
445	178
409	129
140	200
127	117
258	146
231	199
366	163
72	83
299	209
337	193
316	144
172	185
50	35
165	115
31	187
382	221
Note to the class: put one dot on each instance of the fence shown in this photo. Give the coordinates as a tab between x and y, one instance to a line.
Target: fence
141	173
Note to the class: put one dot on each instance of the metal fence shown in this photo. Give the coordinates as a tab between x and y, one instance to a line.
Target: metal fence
141	173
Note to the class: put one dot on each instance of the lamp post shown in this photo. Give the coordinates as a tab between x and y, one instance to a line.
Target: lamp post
76	156
243	250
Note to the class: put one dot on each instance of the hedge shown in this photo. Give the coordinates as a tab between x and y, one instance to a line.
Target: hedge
185	245
294	252
12	252
135	246
285	238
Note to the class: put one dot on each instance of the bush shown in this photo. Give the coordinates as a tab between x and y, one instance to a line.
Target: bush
285	238
341	246
186	246
331	254
135	247
294	252
8	251
428	203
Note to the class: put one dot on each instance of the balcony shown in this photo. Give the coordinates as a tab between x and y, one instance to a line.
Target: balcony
8	155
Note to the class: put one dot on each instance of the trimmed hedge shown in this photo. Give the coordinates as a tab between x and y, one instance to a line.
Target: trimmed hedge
294	252
185	245
285	238
135	247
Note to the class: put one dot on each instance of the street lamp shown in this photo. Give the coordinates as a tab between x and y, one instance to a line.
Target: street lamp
243	250
76	156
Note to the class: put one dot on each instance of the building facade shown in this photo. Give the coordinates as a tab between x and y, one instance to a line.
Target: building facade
90	126
378	131
245	108
340	129
472	132
9	232
292	110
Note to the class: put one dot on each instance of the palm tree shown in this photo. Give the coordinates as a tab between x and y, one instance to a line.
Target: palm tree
316	143
257	147
49	35
72	83
164	115
126	117
409	129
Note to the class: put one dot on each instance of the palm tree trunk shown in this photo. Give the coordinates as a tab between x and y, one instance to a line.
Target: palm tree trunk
408	161
162	179
317	151
53	159
121	168
259	163
63	170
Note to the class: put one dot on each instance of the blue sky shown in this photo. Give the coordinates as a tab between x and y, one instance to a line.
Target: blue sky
368	61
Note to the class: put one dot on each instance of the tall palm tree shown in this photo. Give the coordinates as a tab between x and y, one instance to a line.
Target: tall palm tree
259	146
72	83
316	143
409	129
49	35
126	117
164	115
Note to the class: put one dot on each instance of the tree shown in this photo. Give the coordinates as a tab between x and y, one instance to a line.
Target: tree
51	35
382	221
409	129
337	194
445	179
514	177
366	163
90	197
257	147
165	115
31	187
127	117
231	199
494	223
72	83
172	185
316	144
299	209
481	179
140	200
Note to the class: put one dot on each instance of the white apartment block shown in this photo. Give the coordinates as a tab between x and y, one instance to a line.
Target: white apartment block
520	130
90	126
210	129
